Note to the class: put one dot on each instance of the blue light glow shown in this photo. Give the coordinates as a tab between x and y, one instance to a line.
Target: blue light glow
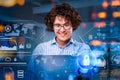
86	62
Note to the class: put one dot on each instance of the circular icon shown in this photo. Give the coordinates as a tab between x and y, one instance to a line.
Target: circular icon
115	59
28	45
8	28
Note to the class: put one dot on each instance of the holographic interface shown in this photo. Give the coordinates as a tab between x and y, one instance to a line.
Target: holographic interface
22	28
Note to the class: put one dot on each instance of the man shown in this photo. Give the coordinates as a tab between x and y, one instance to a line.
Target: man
63	20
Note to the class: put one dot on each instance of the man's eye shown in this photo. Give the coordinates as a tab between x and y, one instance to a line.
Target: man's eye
66	25
57	25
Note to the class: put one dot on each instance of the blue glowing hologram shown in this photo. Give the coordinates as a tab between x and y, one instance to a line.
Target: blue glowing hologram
86	61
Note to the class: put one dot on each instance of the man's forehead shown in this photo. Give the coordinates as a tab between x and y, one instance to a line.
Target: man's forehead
62	18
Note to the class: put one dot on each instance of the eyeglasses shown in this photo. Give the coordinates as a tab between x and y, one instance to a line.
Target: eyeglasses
65	26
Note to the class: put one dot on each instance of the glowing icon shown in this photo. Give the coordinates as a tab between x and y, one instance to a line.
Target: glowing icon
21	46
86	60
28	45
20	74
15	59
7	59
8	28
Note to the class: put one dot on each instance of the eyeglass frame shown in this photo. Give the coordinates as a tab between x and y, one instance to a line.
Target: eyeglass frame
59	26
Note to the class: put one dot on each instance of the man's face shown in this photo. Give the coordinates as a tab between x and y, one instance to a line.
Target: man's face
62	28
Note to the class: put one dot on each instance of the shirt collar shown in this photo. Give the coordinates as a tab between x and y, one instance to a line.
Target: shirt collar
53	41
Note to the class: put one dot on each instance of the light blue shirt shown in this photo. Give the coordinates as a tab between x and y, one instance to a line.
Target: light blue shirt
51	47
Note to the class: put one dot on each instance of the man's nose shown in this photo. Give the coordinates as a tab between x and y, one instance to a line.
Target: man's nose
62	29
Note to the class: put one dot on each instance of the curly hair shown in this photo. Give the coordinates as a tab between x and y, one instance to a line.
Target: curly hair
66	11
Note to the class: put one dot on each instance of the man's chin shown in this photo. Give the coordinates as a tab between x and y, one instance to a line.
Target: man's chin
63	39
